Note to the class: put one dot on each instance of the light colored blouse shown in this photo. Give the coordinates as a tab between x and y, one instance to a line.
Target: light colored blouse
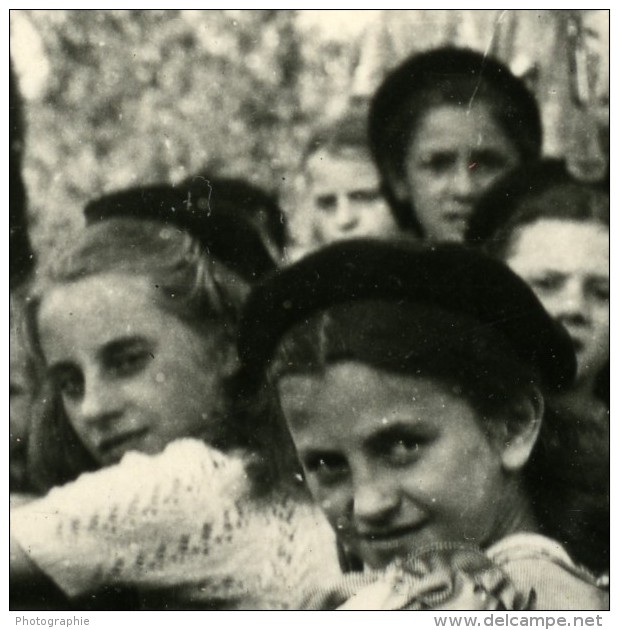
184	524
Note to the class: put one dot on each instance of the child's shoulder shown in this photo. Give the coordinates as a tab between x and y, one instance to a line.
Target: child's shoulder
535	562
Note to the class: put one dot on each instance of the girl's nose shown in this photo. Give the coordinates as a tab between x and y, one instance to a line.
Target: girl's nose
463	180
375	500
346	216
100	401
572	302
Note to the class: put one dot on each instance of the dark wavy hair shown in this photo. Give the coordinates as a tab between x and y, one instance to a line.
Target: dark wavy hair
446	76
348	131
193	286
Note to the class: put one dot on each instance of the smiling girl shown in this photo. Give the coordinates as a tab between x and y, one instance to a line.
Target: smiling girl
169	486
444	126
413	384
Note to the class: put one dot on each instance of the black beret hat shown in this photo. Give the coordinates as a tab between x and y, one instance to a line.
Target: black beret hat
228	236
458	280
438	69
239	196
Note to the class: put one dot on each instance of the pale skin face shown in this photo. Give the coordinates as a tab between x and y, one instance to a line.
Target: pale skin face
131	376
566	263
345	198
455	154
397	462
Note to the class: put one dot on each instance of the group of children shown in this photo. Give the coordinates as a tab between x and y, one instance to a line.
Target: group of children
413	416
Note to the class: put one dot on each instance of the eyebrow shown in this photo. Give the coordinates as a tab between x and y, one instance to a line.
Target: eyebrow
373	190
121	344
317	451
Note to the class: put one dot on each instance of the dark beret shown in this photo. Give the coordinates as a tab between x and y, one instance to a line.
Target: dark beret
458	280
239	196
439	69
228	236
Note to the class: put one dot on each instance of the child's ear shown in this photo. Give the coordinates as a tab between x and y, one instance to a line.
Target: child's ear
519	444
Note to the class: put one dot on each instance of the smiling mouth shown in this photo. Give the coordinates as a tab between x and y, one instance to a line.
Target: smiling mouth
121	442
392	535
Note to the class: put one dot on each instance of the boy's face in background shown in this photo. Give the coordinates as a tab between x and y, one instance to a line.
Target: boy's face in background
566	263
345	198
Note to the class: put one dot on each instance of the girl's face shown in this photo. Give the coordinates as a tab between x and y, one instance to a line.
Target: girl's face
455	154
396	461
566	263
131	376
345	197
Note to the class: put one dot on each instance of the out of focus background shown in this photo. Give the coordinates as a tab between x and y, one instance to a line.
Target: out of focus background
117	98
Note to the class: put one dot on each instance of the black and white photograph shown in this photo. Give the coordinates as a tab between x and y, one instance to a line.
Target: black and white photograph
309	311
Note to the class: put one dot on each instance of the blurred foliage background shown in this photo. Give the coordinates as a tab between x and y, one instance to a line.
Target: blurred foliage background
114	98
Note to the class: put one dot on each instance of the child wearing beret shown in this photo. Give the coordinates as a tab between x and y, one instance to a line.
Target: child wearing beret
414	384
443	127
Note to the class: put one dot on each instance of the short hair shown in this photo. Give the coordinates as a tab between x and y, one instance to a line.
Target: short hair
346	133
542	189
447	76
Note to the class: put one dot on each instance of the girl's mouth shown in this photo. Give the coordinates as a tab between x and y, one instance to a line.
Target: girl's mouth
386	535
379	548
122	442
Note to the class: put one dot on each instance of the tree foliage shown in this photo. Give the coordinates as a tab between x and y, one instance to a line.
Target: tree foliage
153	96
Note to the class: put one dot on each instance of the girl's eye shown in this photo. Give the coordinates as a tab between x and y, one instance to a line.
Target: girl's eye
326	202
546	284
128	362
599	291
438	163
364	196
326	469
402	451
